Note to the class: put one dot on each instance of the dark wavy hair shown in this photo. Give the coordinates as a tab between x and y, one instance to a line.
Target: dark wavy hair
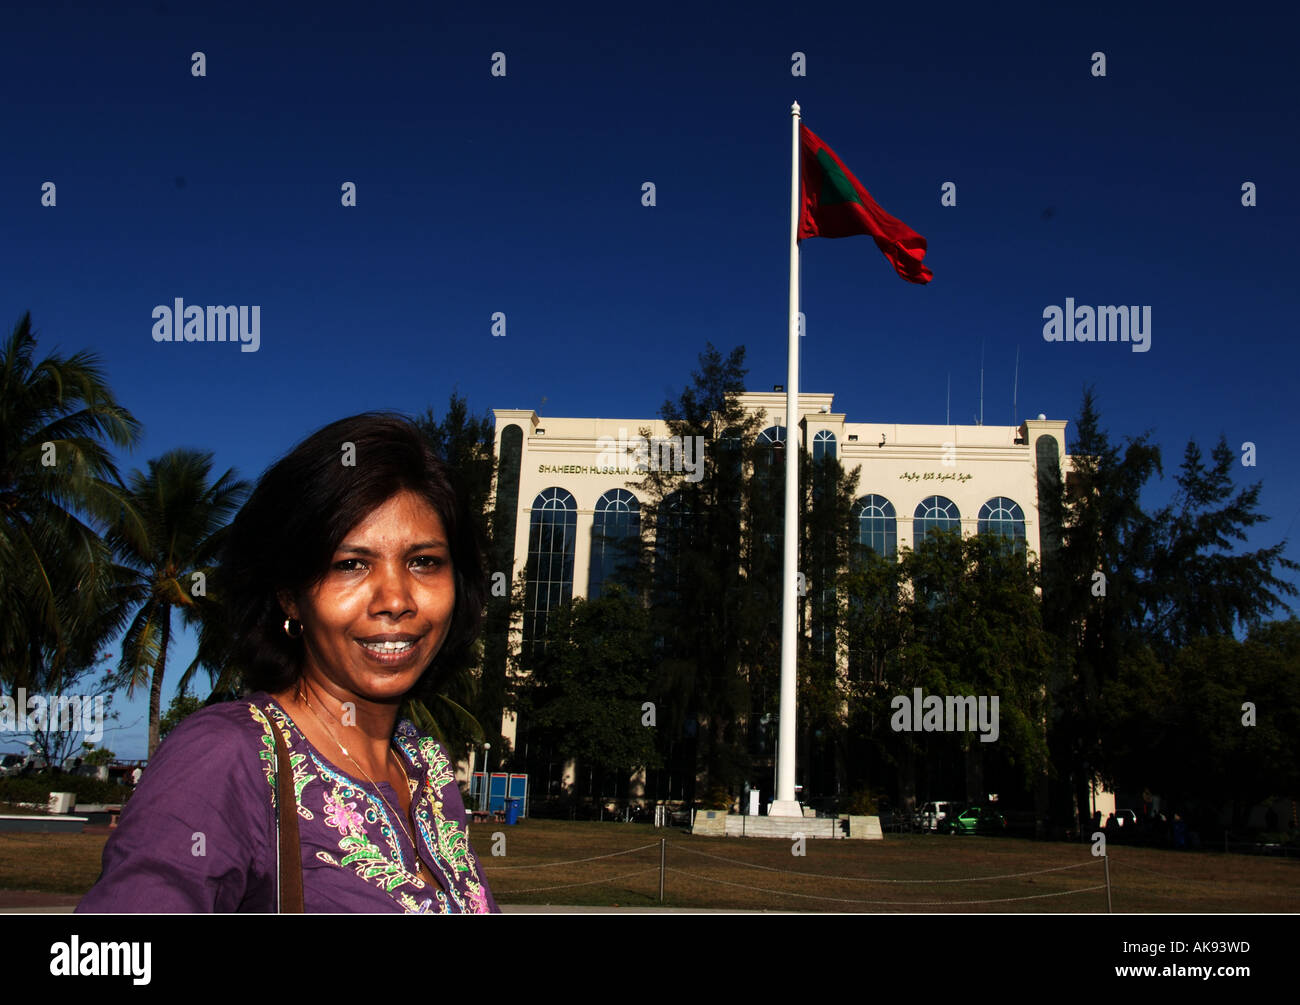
304	505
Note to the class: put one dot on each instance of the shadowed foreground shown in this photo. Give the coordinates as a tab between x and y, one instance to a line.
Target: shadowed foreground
760	874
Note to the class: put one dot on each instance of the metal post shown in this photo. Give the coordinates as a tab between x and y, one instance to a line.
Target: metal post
663	856
1106	859
785	804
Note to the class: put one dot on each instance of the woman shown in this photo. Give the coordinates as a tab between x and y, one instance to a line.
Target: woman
354	564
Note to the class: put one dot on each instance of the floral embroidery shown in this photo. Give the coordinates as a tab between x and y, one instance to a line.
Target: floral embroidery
426	906
342	815
351	811
448	838
267	754
372	864
453	842
478	897
440	771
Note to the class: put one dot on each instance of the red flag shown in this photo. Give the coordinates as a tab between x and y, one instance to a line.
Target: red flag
834	204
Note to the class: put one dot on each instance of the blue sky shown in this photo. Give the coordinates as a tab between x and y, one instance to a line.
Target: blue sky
522	194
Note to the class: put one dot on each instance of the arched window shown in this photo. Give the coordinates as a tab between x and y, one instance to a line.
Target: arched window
773	438
728	450
1003	517
769	475
877	525
672	538
934	513
823	456
1047	457
507	495
615	530
823	444
551	538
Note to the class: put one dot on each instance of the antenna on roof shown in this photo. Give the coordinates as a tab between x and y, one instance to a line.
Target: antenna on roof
948	411
1015	389
981	422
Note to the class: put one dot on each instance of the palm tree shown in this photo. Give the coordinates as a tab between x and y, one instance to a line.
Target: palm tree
60	593
172	551
216	650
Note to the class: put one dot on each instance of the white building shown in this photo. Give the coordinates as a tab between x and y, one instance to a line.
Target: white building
557	477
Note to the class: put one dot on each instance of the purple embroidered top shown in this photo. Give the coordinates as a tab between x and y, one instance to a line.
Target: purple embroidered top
199	832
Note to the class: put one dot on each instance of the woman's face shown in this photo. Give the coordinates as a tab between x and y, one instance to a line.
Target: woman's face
380	615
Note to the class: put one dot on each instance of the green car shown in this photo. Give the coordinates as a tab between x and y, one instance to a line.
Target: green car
975	820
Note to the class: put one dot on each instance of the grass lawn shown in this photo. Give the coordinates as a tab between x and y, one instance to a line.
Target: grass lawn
50	863
762	874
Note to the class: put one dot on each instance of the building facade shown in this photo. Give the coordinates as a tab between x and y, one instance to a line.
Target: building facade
561	481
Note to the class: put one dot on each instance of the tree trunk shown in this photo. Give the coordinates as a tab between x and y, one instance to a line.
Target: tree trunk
1082	778
1042	804
155	689
974	774
907	778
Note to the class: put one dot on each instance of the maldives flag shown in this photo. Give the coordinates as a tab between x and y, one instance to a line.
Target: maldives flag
834	204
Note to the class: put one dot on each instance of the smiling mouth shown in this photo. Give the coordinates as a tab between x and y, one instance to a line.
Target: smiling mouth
387	648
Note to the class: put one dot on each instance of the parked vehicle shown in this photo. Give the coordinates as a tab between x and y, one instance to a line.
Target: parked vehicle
933	813
975	820
22	764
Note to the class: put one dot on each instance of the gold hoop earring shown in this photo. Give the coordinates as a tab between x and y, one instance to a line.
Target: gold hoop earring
288	622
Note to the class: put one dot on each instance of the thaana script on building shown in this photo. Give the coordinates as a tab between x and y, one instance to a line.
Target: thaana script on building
936	476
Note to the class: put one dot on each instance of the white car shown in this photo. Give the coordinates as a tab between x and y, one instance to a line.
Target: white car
932	812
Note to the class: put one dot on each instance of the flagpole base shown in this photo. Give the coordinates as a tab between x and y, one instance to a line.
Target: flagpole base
785	808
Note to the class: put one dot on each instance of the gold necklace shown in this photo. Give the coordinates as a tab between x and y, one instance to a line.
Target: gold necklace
420	868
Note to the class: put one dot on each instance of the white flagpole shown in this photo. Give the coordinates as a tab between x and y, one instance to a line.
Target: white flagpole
785	804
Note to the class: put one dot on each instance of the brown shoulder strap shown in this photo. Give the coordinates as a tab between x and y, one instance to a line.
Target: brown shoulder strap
289	883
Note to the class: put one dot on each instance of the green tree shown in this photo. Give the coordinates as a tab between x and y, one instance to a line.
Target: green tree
1181	728
875	632
75	696
712	617
96	756
970	625
587	689
1094	589
828	538
60	592
173	550
182	705
1127	593
1197	587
